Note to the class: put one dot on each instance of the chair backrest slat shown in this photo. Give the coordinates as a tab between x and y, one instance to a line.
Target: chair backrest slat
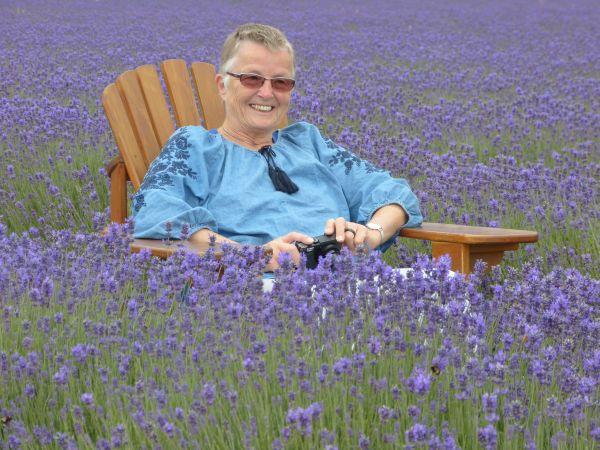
131	93
157	104
119	121
178	83
208	94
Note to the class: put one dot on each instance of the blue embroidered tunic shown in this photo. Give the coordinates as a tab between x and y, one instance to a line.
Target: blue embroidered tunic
205	181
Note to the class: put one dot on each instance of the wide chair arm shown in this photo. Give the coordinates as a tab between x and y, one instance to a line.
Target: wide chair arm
163	249
467	244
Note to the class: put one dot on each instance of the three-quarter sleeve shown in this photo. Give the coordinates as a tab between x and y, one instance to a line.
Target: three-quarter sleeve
174	191
366	187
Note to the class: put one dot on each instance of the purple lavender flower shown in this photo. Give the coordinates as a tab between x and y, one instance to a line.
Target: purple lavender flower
87	398
208	393
343	365
490	405
364	443
80	352
488	437
249	364
61	377
374	345
14	442
414	411
558	439
303	418
385	413
419	382
185	231
29	390
42	435
416	434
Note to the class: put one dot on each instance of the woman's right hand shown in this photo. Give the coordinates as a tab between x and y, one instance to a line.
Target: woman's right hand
285	244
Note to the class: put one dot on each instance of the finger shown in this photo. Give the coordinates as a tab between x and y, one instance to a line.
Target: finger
329	227
296	236
361	235
349	240
340	224
273	261
292	251
349	235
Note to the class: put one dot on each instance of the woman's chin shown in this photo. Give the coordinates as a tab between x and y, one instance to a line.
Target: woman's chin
265	123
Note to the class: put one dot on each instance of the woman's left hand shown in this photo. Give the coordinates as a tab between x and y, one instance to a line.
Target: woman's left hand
351	234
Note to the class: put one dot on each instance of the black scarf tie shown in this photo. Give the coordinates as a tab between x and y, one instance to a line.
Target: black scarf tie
280	179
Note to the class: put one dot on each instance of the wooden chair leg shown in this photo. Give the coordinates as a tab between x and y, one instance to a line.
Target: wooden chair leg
118	193
464	256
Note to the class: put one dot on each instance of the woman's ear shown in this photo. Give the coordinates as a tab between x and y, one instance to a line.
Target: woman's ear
220	80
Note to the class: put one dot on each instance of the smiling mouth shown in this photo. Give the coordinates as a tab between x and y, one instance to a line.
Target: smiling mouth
261	108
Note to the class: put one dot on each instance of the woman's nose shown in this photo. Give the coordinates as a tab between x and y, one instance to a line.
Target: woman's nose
266	90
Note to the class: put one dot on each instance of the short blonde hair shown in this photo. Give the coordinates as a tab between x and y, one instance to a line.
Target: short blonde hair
270	37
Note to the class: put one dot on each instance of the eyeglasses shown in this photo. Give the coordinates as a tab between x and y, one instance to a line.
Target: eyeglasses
254	81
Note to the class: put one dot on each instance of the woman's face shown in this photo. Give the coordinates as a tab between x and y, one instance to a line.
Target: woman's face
242	104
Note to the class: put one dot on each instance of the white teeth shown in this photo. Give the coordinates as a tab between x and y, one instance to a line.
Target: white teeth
262	107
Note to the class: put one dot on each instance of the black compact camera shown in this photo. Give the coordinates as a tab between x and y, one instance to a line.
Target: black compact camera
321	246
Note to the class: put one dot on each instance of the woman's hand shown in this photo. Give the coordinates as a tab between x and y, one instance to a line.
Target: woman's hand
285	244
352	234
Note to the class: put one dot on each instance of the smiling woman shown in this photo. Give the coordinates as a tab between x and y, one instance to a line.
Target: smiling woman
256	104
252	183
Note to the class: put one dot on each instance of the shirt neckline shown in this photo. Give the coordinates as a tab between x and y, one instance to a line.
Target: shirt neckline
274	138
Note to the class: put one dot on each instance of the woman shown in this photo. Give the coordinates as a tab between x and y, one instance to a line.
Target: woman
250	183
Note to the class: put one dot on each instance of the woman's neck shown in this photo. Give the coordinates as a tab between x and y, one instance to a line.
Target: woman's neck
252	142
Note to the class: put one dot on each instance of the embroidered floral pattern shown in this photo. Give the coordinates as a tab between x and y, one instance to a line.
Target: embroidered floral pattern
138	201
349	159
172	161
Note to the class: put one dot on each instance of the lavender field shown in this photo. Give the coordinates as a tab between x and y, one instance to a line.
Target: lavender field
490	110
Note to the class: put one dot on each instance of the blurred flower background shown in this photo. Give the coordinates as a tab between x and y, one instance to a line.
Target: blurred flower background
490	110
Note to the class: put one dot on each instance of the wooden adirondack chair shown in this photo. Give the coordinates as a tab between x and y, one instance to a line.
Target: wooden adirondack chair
137	110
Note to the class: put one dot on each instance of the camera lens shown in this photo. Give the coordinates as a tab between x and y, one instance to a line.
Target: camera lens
330	248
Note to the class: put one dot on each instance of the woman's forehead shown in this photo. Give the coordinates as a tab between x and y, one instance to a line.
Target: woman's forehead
257	58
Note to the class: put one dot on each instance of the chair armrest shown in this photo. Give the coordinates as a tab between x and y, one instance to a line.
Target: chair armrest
464	234
163	250
466	244
113	164
117	173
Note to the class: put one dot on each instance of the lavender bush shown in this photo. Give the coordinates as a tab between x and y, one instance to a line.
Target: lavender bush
102	348
492	113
